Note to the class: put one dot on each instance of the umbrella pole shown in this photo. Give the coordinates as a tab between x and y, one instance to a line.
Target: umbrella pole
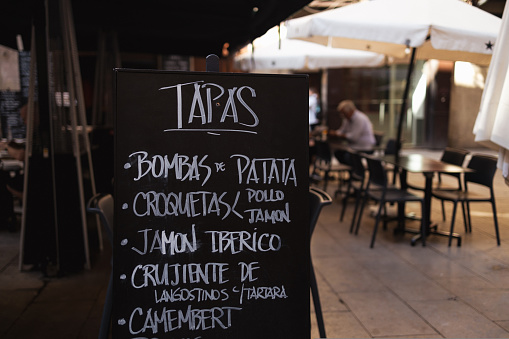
404	103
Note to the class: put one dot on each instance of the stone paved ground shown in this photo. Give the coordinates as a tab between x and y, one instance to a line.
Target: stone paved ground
392	290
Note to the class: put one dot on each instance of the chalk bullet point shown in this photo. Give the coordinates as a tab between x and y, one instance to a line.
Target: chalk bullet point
127	165
122	277
121	321
123	242
124	206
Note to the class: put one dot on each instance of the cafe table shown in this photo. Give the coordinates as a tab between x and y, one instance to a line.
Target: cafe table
417	163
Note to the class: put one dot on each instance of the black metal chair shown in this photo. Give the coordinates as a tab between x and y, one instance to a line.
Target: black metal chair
379	190
102	204
453	156
390	147
484	168
324	166
356	186
317	200
379	137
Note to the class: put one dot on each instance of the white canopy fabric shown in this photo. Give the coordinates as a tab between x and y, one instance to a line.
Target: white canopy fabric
302	55
457	31
492	123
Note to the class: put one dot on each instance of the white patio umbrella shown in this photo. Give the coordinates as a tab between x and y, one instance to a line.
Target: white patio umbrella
431	29
492	121
302	55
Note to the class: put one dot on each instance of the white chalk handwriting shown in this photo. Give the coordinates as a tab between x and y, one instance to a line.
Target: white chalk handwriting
192	319
190	204
159	166
211	106
267	171
239	241
174	242
173	274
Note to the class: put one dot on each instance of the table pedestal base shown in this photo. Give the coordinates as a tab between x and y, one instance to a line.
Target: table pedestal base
433	229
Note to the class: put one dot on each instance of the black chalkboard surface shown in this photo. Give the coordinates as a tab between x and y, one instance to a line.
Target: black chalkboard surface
211	205
11	122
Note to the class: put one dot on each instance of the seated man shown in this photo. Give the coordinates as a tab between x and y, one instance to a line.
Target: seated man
356	129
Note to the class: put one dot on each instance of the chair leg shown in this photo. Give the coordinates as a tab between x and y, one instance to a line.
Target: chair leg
385	216
341	182
452	221
325	180
495	219
443	210
360	214
469	217
343	208
376	224
466	217
345	200
358	197
423	226
316	302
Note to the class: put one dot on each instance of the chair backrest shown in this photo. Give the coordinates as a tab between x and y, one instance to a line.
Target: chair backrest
343	156
454	156
102	204
390	147
317	199
485	167
379	137
377	173
358	169
323	151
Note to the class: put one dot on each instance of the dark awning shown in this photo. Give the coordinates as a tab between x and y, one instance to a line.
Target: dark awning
193	27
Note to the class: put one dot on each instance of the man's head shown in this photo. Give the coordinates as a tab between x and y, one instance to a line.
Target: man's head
346	108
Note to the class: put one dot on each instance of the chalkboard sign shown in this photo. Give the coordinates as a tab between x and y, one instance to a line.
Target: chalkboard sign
211	205
24	73
13	126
